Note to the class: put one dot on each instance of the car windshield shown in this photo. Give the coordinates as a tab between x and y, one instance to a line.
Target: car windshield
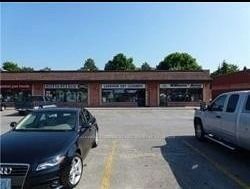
48	120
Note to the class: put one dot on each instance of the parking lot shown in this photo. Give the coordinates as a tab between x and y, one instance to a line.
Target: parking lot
155	148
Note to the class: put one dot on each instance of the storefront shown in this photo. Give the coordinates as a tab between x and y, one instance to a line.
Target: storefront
123	94
174	94
15	92
110	88
66	94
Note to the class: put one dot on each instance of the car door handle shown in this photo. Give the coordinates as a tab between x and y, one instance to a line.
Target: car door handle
218	116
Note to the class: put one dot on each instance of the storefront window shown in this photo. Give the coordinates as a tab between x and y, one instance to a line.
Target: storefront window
182	93
12	95
127	93
60	93
120	95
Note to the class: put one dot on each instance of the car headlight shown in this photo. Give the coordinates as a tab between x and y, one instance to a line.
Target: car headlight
51	163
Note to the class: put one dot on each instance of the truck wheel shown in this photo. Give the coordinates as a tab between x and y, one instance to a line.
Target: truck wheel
199	132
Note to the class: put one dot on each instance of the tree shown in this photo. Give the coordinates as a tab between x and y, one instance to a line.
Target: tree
46	69
120	62
145	66
178	61
11	67
225	68
27	69
89	65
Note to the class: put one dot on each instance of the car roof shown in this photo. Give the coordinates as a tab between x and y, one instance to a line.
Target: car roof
58	109
237	92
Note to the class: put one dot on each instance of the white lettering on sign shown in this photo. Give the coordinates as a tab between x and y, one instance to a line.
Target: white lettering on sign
61	86
181	85
123	86
15	86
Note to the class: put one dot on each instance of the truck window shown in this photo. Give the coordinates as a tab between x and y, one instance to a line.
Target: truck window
248	104
218	104
232	103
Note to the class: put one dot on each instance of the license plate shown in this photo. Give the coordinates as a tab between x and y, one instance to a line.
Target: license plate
5	183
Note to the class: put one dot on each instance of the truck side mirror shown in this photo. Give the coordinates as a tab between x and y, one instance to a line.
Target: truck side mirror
203	106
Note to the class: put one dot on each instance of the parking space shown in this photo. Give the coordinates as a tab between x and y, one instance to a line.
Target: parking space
155	148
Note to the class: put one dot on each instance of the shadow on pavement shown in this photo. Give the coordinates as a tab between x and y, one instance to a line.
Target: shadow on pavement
193	163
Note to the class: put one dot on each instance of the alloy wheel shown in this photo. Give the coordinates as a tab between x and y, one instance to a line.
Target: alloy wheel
75	171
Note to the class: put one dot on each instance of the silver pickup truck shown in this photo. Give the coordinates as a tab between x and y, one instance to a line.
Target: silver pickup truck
226	120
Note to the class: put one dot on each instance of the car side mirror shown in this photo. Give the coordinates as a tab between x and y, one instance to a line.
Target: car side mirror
13	124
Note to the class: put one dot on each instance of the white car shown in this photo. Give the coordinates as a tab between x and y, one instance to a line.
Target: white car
226	120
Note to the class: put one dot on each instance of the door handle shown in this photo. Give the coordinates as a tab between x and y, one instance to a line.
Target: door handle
218	116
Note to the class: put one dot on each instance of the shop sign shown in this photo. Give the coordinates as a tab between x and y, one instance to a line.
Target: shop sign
123	86
62	86
16	86
181	85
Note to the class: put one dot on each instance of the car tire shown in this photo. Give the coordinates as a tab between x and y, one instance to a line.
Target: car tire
199	132
96	140
75	172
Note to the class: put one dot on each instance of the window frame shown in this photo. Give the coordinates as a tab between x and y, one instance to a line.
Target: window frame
85	112
228	101
247	98
82	119
225	100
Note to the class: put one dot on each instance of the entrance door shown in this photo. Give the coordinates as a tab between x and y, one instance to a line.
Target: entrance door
141	97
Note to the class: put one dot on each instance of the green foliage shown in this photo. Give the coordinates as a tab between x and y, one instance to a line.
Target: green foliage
27	69
225	68
11	67
120	62
46	69
145	66
89	65
179	61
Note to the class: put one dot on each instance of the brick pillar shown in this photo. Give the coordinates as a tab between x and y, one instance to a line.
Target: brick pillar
152	89
206	92
37	89
94	94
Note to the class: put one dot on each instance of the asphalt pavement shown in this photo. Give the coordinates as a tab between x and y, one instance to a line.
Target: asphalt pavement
153	148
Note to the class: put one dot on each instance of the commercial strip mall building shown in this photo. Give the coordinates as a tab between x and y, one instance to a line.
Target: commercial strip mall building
231	82
113	88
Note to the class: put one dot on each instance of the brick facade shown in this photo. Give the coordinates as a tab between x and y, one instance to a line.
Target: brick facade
94	80
94	94
37	89
231	82
152	88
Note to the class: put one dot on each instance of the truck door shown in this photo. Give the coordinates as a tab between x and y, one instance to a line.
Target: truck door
229	119
213	115
243	127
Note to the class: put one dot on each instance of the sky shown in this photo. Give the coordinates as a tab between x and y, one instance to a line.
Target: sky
63	35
